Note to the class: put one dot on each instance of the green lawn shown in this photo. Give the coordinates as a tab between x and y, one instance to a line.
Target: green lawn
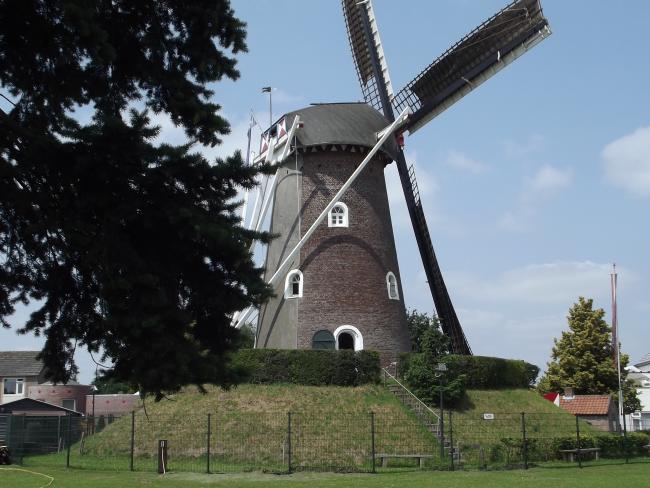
636	475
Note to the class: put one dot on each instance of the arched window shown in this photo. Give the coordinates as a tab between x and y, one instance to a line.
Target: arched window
348	337
391	285
323	339
293	284
338	216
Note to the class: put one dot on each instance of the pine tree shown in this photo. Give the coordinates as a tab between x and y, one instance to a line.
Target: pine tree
582	358
128	247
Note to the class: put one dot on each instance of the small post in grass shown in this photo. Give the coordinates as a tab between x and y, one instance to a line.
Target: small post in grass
525	441
67	441
578	440
289	442
132	440
372	440
451	440
208	445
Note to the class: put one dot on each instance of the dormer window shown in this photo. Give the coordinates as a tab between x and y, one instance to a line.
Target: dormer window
391	285
293	284
338	216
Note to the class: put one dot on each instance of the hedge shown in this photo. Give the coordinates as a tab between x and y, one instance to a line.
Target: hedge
483	372
611	445
309	367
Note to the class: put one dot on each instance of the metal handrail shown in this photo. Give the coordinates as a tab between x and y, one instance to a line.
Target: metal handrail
412	395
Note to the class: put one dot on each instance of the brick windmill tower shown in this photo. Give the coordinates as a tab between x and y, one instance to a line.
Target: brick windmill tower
334	268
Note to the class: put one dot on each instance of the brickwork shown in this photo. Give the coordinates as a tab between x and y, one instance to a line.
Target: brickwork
345	269
55	394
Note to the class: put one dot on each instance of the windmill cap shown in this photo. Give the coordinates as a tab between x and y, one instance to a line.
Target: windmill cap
342	123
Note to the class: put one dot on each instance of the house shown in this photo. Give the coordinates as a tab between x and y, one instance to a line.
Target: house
640	374
597	410
18	371
22	376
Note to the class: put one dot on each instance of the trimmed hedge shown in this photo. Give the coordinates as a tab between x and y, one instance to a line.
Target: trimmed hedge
483	372
309	367
611	445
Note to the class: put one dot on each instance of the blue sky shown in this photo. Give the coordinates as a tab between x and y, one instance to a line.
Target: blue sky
533	184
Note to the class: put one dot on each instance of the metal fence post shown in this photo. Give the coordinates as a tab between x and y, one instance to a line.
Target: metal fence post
625	444
451	439
525	441
578	440
208	446
289	442
372	442
132	440
68	439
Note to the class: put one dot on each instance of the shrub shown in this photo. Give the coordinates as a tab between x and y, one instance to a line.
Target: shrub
308	367
482	372
426	382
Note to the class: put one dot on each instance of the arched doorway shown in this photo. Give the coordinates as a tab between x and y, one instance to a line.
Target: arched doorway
346	341
348	337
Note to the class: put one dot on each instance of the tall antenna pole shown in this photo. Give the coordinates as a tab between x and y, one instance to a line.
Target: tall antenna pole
269	90
616	348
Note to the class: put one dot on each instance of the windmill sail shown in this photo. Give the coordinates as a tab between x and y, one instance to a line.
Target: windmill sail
361	52
471	61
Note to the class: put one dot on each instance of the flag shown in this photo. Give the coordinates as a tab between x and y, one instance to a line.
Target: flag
266	89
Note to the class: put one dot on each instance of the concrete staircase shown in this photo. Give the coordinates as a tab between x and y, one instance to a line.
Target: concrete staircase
425	414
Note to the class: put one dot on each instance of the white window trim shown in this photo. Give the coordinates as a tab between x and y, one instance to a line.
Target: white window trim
350	329
19	382
390	275
287	284
345	215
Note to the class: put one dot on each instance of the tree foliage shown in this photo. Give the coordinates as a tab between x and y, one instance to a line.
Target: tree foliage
127	246
426	334
583	358
431	344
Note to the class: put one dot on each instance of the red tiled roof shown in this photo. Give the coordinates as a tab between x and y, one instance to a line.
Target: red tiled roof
587	404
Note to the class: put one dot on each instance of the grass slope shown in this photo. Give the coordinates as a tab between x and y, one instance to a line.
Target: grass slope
330	430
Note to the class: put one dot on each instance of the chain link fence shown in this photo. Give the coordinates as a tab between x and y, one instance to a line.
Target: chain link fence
233	441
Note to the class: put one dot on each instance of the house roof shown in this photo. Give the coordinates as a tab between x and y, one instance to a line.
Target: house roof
587	404
23	363
31	405
645	361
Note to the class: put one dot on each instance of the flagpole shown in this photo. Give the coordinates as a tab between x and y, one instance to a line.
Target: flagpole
269	90
616	346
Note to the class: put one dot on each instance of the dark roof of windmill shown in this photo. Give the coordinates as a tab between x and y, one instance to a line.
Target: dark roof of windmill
342	123
22	363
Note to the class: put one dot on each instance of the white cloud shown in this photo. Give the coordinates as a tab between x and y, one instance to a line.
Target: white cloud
543	185
550	283
549	180
461	161
516	149
627	162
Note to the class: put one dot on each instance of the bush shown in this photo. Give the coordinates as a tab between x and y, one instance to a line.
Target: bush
426	382
482	372
611	445
308	367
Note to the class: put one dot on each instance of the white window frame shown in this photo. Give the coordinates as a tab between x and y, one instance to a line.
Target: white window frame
390	279
288	288
330	215
20	386
354	332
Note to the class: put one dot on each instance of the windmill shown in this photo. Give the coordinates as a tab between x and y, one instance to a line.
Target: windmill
338	285
471	61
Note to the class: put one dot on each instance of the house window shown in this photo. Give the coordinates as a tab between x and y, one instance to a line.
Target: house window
68	403
338	216
14	386
323	339
293	284
391	285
